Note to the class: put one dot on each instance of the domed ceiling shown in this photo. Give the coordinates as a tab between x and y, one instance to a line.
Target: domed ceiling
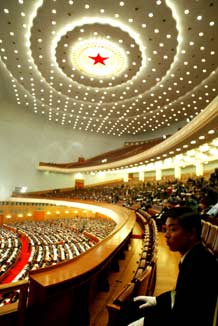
121	68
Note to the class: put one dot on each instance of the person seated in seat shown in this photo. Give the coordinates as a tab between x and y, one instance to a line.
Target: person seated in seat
167	205
194	299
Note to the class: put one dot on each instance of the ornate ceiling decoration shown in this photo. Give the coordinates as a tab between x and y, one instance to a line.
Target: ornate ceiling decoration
116	67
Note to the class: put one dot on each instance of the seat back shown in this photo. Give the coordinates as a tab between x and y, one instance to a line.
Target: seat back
212	236
205	231
142	281
125	294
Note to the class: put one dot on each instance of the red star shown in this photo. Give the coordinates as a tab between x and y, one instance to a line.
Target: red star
98	59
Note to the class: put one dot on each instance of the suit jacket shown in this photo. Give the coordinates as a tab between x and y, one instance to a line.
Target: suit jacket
196	292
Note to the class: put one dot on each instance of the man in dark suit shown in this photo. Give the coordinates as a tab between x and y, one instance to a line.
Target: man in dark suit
193	301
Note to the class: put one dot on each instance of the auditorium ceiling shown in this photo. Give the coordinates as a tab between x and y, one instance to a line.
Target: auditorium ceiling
113	67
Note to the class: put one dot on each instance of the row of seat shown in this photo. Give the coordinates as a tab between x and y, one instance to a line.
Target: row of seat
143	281
209	236
149	248
49	242
10	249
9	259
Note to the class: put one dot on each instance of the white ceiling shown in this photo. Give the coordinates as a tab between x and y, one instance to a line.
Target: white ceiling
160	68
170	48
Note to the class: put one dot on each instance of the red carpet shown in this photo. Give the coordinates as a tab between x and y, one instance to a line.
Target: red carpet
137	236
25	254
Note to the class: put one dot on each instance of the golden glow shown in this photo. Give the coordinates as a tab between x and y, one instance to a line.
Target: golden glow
101	174
79	176
113	66
191	153
204	148
215	142
214	152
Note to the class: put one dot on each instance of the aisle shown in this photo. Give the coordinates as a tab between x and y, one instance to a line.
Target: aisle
24	257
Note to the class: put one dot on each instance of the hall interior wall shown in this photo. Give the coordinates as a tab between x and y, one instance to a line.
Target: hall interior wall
26	140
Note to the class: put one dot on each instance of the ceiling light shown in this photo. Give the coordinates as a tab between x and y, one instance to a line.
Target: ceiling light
98	57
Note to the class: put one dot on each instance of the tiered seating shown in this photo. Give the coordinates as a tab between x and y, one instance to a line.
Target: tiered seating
149	250
143	281
111	156
50	242
10	247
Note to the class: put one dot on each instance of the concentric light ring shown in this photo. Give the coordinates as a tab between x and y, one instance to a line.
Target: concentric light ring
115	61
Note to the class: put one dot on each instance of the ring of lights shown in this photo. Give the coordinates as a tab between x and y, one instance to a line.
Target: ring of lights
76	62
69	73
53	65
162	85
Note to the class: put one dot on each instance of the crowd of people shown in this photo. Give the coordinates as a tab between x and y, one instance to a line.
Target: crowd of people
10	248
198	193
64	239
50	242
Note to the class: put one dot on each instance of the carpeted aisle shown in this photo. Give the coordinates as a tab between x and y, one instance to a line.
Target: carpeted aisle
25	254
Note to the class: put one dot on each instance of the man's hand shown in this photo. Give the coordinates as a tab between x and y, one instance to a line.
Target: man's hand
148	301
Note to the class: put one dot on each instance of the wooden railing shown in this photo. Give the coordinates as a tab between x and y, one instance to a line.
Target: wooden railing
62	294
144	279
17	310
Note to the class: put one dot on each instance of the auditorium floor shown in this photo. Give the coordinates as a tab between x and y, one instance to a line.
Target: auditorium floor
167	269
